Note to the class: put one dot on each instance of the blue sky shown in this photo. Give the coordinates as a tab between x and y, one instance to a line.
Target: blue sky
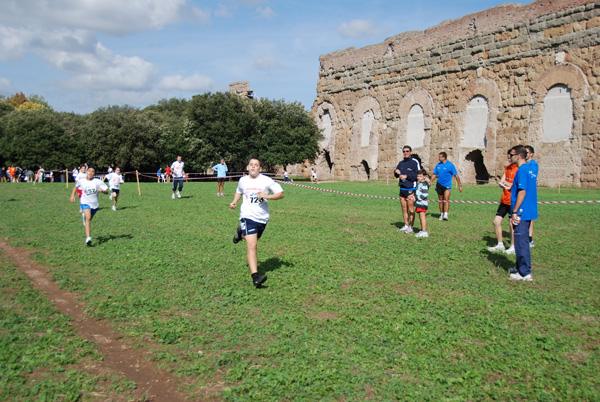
81	55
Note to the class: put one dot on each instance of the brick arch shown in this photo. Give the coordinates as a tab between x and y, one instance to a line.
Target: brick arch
559	162
358	153
421	97
487	88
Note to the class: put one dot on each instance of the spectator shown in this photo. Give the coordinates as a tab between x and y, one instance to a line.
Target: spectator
406	172
444	171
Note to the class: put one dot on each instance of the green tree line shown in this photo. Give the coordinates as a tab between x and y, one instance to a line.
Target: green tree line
202	130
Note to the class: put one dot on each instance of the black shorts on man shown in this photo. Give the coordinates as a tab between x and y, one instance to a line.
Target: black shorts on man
503	209
220	179
115	190
441	189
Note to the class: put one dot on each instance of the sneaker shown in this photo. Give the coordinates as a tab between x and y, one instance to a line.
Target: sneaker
409	230
517	277
441	218
238	236
110	197
173	196
498	247
88	241
445	217
258	280
510	250
513	270
114	208
531	244
178	195
422	233
404	229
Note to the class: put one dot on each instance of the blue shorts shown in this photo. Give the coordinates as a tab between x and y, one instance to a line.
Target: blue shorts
86	206
249	227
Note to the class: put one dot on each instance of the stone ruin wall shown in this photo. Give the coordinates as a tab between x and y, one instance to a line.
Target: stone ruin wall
511	55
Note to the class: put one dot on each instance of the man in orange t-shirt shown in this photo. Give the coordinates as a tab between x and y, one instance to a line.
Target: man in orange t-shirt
506	183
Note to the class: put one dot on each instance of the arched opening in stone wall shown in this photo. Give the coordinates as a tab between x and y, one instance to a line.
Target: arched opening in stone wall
327	126
476	124
415	127
558	114
329	161
367	126
482	175
365	166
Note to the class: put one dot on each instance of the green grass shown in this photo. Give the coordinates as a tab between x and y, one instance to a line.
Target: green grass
352	310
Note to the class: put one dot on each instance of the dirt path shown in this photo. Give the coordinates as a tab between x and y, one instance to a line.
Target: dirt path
119	358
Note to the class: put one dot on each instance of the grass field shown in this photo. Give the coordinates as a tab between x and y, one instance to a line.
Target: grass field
353	310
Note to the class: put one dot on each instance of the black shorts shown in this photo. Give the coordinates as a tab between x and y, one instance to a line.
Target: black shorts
503	209
405	193
116	191
220	179
441	189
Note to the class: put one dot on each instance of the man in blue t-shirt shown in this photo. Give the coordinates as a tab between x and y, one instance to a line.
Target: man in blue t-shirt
536	168
523	202
221	170
444	171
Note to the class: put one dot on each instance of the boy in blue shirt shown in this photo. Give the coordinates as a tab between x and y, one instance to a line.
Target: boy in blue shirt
444	171
524	209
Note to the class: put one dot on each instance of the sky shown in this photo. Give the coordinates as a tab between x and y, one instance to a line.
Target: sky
82	55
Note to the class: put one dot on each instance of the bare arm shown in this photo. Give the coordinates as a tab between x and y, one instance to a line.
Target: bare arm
236	198
276	196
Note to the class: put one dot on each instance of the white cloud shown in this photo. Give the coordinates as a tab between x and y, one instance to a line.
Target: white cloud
13	42
267	63
195	82
5	85
265	13
359	29
115	17
223	11
102	69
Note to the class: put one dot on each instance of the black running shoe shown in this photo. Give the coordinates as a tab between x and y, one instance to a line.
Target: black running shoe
238	236
258	280
513	270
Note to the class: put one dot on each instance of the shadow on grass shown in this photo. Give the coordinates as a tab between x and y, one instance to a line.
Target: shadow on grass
498	258
272	264
105	239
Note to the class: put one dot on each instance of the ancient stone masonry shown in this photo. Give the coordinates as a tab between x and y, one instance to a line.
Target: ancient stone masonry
473	87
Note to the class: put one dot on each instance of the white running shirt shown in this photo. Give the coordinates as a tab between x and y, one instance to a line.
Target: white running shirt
114	181
254	208
177	169
89	191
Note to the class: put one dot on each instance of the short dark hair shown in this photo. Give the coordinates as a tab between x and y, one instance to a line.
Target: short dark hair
444	154
407	146
520	149
423	172
529	149
260	162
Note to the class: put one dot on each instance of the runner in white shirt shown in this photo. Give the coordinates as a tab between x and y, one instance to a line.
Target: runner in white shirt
255	189
89	187
178	175
80	175
114	184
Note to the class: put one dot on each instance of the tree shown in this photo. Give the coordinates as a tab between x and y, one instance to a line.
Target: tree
31	139
228	126
287	133
121	135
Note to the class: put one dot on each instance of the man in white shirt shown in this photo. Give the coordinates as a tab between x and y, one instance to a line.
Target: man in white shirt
178	176
114	179
255	189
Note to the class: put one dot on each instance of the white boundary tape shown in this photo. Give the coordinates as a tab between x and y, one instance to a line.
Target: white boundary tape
451	201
